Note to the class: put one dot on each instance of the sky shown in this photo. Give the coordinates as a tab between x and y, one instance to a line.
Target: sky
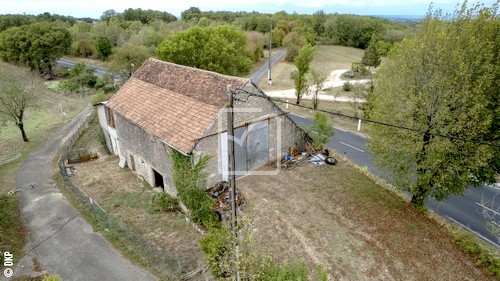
95	8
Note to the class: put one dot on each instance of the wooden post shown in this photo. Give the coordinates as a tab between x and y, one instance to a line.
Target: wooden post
232	181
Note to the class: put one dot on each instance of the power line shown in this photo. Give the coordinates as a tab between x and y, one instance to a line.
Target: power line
394	125
263	95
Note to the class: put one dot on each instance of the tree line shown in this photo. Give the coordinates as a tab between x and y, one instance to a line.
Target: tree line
119	37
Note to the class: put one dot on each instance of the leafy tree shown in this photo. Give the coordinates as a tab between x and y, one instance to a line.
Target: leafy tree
216	48
193	12
83	48
146	16
293	42
36	45
319	19
318	79
127	59
108	15
320	130
8	21
103	47
80	77
255	43
442	82
302	62
16	94
371	56
354	31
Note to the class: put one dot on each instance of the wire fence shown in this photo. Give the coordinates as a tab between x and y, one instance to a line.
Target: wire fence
135	243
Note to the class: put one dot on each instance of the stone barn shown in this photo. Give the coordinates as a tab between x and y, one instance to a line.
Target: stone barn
165	106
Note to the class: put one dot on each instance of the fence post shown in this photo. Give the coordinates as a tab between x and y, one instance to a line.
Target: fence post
359	125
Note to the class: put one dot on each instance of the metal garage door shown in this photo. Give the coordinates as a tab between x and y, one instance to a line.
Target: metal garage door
258	145
251	148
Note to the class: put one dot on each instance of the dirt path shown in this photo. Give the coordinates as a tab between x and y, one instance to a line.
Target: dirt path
62	241
333	81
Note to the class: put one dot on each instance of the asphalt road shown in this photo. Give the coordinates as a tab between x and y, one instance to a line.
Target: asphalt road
463	210
61	240
257	75
100	71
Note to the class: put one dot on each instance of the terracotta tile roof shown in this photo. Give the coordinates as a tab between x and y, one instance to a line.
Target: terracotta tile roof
175	103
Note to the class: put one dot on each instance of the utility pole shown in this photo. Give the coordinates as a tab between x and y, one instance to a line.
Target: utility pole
269	79
232	181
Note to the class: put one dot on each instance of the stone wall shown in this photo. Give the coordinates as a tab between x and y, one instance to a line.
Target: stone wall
145	152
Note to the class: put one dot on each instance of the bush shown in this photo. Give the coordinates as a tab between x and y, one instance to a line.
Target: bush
349	74
347	87
99	97
320	130
163	202
190	183
216	246
294	73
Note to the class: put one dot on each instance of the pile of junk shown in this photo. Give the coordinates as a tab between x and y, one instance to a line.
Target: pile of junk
316	157
222	204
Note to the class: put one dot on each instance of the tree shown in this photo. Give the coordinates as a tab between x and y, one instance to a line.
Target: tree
83	48
318	78
293	42
443	83
320	130
371	56
127	59
80	77
193	12
319	19
255	43
108	15
103	47
216	48
16	95
37	45
302	62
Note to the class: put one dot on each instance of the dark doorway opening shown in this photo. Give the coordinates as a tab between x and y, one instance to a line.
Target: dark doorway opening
158	179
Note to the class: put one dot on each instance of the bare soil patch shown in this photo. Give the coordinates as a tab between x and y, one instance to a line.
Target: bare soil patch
337	217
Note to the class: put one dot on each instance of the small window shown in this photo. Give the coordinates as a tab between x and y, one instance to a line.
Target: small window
111	118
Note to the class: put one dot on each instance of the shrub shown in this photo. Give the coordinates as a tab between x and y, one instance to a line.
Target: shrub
163	202
294	73
99	97
349	74
320	130
190	183
216	246
347	87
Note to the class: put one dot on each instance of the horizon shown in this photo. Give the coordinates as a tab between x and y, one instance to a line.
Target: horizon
94	9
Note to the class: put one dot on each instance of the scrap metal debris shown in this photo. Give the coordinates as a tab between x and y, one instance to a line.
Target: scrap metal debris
220	191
